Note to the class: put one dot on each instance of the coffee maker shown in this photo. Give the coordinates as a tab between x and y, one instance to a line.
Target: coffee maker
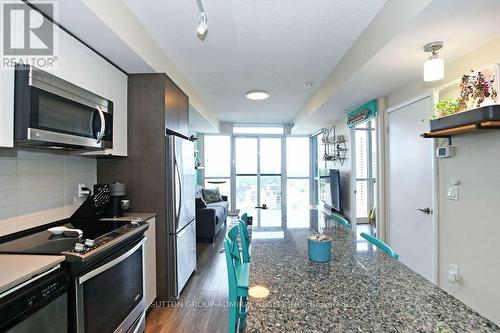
117	193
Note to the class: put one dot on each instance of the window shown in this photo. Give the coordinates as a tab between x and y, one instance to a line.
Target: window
279	130
217	156
297	186
366	169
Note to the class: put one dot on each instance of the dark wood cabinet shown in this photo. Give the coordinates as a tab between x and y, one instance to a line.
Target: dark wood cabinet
154	103
183	114
172	93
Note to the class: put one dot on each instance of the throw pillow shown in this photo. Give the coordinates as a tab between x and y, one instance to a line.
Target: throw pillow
212	195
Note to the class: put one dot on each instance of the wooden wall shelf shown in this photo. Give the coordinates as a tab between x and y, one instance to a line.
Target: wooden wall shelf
449	132
486	117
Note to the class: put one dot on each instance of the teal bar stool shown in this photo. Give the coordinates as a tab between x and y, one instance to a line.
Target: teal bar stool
238	274
246	248
381	245
341	220
244	218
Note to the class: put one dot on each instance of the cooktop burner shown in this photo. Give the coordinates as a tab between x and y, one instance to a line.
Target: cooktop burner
95	234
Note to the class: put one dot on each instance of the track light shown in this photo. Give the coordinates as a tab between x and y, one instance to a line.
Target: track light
202	27
434	67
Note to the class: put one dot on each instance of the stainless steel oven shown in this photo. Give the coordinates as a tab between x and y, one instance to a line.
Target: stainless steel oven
110	295
50	111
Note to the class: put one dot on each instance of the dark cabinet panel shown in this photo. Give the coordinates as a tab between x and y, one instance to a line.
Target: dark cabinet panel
171	105
154	103
183	113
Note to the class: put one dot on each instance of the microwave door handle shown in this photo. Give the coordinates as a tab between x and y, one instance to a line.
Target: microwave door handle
91	125
100	134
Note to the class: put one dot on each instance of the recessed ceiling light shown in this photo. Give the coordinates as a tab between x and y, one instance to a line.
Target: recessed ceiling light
257	95
308	85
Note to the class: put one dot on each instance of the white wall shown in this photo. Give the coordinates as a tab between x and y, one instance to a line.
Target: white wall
468	228
40	186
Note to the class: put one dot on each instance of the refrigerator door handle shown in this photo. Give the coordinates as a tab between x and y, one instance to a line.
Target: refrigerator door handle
178	192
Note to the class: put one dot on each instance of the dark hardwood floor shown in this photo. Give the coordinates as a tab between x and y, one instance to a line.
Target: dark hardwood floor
201	305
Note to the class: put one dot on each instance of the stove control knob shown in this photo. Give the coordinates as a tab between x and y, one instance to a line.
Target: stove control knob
135	223
90	242
79	247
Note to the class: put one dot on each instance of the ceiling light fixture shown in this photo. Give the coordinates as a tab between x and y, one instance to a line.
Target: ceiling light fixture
202	26
257	95
202	29
308	85
434	66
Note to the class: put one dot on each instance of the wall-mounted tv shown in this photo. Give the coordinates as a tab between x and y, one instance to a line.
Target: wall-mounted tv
330	194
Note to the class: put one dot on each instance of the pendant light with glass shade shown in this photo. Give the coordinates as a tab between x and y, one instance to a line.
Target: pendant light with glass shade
434	66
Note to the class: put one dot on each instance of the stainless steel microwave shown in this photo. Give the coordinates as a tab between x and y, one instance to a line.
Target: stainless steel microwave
51	112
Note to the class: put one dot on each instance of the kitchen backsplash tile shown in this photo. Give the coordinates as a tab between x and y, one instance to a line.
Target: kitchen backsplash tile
38	186
40	166
8	166
8	198
8	182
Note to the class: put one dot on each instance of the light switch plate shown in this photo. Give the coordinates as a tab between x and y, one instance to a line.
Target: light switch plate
452	192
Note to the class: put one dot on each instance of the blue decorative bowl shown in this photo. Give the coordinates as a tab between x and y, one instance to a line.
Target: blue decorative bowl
319	251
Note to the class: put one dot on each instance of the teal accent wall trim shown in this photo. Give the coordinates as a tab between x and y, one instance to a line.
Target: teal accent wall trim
364	113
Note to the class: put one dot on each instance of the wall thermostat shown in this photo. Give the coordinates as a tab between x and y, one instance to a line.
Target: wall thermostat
445	152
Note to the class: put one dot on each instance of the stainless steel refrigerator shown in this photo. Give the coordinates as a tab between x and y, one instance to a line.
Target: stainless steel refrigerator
180	215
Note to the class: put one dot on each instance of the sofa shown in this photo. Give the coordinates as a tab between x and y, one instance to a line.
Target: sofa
210	218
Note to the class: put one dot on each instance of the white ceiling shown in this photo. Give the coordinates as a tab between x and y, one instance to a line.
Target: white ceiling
260	44
463	25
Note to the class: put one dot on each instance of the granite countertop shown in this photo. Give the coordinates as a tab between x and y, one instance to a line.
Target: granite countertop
131	216
17	268
359	290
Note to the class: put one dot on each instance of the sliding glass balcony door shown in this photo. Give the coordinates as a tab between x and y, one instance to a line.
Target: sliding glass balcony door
258	183
261	170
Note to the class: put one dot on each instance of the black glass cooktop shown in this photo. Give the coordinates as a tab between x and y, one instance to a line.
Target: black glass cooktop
44	242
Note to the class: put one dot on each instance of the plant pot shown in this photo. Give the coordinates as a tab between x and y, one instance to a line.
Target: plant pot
474	116
487	101
319	251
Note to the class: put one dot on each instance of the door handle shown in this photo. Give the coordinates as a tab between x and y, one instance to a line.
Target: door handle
425	210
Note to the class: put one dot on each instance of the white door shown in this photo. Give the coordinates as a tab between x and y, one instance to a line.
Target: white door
410	171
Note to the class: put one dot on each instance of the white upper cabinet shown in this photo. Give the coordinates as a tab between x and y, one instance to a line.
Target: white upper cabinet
116	91
87	69
62	67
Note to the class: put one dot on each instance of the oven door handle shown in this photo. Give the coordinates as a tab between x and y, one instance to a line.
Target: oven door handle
100	134
110	264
